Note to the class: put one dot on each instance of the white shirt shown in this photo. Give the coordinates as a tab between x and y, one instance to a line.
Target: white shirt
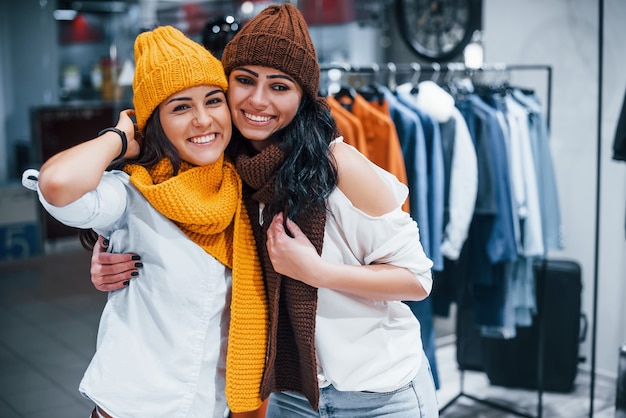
162	340
526	179
463	189
363	344
439	104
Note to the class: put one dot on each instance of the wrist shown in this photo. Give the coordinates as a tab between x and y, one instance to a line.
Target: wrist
123	138
321	275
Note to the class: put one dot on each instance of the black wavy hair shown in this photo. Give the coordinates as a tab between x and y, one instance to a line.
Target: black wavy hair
154	147
309	172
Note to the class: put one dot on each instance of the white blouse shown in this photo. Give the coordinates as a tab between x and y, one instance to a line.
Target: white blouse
364	344
162	340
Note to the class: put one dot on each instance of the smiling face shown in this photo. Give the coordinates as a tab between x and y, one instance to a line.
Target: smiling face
262	100
197	122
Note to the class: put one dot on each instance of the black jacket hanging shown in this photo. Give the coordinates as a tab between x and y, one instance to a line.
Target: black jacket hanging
619	143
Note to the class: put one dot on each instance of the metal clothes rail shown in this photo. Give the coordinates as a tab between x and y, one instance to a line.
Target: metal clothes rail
391	69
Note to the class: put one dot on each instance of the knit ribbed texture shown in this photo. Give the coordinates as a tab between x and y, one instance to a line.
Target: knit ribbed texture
291	359
166	62
278	37
206	203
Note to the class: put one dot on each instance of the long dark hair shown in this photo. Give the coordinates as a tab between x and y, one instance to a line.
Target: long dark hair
309	173
154	147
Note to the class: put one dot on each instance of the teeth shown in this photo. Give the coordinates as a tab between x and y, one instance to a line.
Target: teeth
257	118
202	139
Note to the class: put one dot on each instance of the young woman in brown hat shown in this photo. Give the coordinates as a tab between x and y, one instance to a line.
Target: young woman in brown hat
339	254
161	349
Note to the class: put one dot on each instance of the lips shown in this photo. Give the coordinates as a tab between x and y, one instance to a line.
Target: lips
257	118
205	139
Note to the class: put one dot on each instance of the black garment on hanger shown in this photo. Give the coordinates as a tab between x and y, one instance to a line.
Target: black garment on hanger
619	143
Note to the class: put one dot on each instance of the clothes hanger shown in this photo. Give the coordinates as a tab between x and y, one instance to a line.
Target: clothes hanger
391	79
372	91
415	80
345	96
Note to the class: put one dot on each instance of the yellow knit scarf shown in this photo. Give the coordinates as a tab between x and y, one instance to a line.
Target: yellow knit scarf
205	202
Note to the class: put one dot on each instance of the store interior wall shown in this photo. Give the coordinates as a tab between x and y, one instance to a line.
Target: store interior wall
31	69
4	55
560	33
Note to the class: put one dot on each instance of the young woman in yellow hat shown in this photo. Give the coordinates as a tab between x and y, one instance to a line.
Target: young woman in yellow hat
161	349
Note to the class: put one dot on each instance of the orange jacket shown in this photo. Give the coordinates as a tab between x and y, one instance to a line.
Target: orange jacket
383	144
370	129
349	125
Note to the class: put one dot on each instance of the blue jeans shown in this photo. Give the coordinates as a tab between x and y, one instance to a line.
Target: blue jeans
417	399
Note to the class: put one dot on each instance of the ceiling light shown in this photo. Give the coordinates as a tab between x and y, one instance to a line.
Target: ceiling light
64	14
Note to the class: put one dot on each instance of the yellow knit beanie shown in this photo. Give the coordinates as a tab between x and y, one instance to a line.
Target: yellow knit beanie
166	62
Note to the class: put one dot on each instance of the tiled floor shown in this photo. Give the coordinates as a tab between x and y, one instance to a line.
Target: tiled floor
49	315
522	401
48	324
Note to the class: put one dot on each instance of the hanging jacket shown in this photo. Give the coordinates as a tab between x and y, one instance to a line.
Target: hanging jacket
383	145
619	143
435	170
349	125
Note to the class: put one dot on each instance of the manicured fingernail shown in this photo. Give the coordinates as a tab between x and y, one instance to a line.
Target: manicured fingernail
134	273
135	257
138	264
105	242
126	283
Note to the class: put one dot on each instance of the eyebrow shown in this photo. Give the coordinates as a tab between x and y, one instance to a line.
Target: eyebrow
211	93
271	76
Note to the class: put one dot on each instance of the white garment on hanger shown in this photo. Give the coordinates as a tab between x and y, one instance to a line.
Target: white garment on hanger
463	189
529	209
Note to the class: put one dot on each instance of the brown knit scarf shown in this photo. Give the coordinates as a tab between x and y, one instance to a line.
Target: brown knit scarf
206	203
291	361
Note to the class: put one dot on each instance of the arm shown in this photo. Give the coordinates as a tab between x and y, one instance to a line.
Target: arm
297	258
112	271
68	175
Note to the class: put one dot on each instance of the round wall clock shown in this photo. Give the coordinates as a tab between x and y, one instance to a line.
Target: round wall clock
438	30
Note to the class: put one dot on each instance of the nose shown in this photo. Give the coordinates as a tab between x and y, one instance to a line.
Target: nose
203	117
258	97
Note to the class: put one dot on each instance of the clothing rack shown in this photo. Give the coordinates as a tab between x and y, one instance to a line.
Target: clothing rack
436	70
542	271
598	188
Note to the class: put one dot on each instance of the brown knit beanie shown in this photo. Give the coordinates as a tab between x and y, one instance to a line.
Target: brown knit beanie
166	62
278	37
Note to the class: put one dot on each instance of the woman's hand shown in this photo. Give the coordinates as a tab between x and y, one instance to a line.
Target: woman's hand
133	136
112	271
69	174
295	257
